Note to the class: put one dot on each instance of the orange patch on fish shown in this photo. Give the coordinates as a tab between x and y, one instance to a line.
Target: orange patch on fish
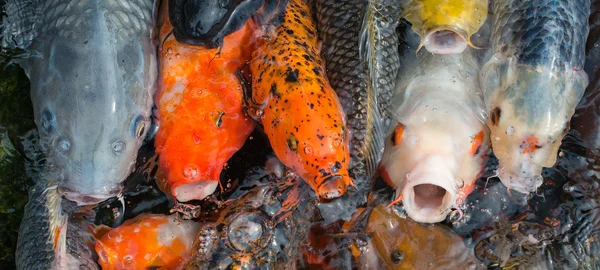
293	100
202	122
397	134
530	145
147	241
476	142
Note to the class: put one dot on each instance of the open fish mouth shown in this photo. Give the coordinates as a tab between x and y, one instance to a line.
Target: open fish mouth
445	41
86	199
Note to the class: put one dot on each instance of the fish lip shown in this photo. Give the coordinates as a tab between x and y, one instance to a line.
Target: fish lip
86	199
331	195
460	40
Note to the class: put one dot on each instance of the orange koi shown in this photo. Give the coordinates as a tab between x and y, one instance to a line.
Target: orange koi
147	242
202	121
297	107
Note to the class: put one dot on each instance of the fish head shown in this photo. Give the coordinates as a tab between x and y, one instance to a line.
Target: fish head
92	108
432	164
446	27
207	22
321	158
529	114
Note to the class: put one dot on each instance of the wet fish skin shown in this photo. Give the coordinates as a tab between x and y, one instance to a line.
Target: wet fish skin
147	241
49	237
93	70
200	109
438	147
532	83
399	243
339	24
292	99
446	26
379	47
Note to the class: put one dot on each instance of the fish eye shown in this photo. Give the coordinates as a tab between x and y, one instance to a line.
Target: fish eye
139	126
118	146
48	121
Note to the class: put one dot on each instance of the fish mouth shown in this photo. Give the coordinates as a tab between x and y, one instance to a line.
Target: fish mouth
445	41
430	191
196	190
526	182
333	186
86	199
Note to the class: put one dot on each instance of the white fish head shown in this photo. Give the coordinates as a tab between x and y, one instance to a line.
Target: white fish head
433	162
529	114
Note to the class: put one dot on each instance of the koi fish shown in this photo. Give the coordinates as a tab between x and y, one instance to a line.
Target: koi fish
399	243
379	48
92	67
436	151
532	84
200	109
148	241
446	26
50	237
294	102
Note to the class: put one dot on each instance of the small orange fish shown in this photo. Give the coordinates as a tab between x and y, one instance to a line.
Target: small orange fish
202	122
147	242
298	109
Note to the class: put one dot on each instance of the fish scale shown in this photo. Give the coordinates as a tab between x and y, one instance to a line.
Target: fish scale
548	30
339	24
380	47
35	247
532	83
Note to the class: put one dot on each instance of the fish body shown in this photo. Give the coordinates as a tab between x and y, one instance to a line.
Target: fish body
298	109
340	24
92	66
200	110
50	237
149	241
379	48
436	151
446	26
399	243
532	83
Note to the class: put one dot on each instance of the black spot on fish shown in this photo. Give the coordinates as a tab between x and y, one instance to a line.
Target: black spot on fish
317	71
289	31
321	137
274	91
291	75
